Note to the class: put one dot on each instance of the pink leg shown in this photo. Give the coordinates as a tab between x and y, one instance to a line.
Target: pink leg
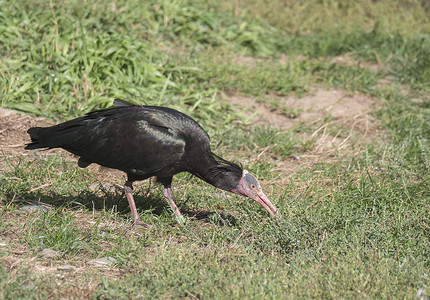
128	187
167	192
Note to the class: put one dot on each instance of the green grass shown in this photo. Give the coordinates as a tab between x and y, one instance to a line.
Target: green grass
355	224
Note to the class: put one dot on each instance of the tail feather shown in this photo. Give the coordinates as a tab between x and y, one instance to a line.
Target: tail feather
57	136
34	133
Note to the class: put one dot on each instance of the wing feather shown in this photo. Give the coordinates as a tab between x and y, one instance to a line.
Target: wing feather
134	141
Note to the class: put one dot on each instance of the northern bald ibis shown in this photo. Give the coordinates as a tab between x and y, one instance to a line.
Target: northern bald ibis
146	141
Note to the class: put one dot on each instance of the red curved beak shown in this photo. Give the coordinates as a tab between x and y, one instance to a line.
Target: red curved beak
265	202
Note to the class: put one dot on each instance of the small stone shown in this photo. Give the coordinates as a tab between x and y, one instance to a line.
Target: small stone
421	294
66	267
28	286
49	253
295	156
34	207
2	244
93	187
102	261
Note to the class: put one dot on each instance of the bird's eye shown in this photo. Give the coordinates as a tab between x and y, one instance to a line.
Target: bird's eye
253	186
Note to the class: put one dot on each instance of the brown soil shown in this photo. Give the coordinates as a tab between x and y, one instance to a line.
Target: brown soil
337	122
13	127
13	134
311	109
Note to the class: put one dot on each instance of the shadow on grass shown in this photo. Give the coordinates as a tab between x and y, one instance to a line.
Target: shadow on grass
113	201
91	200
208	216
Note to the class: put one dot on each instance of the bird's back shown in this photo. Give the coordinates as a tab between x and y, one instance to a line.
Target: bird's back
142	141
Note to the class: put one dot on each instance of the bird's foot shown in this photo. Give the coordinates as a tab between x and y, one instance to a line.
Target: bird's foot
138	223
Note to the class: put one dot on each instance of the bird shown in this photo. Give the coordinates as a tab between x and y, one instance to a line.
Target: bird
148	141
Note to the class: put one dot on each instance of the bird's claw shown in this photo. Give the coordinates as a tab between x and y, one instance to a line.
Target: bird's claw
138	223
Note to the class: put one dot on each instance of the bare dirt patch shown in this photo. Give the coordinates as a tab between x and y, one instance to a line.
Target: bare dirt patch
311	109
13	128
337	122
13	133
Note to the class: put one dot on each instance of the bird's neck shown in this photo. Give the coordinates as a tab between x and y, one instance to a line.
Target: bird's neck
218	172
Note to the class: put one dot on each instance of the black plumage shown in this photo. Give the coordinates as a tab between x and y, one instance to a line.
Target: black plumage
147	141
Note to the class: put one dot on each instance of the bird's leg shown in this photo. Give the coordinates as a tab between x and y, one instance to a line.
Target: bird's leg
128	187
167	192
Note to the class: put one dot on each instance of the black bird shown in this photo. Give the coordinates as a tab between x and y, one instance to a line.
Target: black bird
146	141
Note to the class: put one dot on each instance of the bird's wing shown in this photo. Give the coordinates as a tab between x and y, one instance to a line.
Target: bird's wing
129	139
